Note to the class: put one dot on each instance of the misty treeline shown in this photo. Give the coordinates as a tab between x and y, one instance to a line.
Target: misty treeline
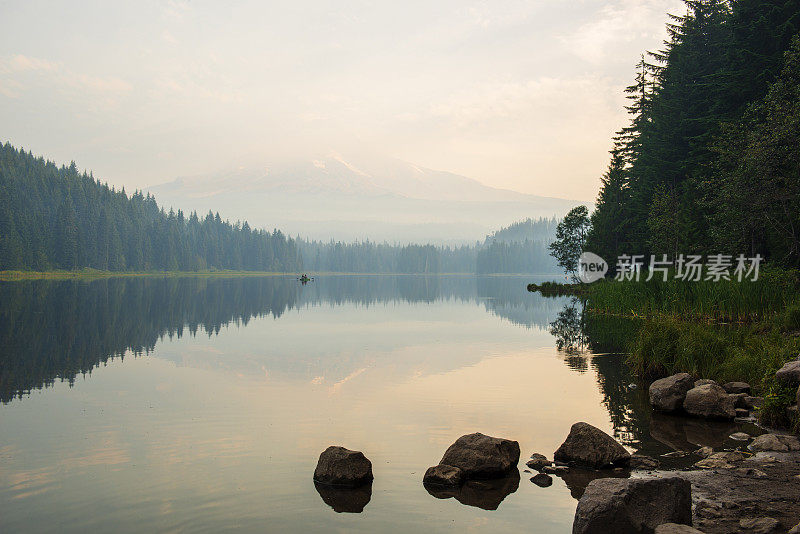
55	217
58	218
518	248
710	161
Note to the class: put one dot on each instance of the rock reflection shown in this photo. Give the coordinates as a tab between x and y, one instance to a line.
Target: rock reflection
577	479
345	500
484	494
687	434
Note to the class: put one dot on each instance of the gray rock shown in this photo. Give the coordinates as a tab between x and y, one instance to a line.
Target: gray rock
538	461
589	446
792	412
667	394
751	472
709	401
642	462
789	373
738	399
338	466
674	528
632	506
482	457
720	460
762	525
704	381
741	436
737	387
542	480
742	413
705	452
774	442
443	475
795	529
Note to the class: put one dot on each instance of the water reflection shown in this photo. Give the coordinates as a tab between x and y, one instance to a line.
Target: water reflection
591	342
484	494
58	330
345	500
577	479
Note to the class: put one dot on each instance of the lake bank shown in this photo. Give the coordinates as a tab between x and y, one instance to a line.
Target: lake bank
725	331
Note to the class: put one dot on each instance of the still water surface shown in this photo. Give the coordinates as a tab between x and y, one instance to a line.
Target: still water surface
202	404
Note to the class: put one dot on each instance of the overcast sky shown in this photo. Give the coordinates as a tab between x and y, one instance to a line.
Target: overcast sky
523	95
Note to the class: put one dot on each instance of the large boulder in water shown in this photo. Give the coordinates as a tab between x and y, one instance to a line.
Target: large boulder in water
588	446
482	457
632	506
710	401
338	466
667	394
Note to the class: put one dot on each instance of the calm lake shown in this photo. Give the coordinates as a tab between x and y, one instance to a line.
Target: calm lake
202	404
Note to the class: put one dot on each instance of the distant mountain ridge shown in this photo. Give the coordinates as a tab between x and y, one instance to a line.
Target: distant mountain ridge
379	199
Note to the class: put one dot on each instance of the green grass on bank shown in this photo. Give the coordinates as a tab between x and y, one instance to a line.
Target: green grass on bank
725	330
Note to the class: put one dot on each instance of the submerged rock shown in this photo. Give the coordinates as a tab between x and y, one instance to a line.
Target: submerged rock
542	480
632	506
740	436
667	394
709	401
591	447
482	457
338	466
538	461
775	442
737	387
443	475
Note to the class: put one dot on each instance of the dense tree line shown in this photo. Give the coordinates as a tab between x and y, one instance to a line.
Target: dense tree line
56	217
518	248
710	161
59	218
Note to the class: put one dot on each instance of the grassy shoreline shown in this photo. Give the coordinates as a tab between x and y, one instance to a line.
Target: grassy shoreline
725	331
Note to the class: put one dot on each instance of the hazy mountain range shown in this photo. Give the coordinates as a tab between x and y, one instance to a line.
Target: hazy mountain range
372	199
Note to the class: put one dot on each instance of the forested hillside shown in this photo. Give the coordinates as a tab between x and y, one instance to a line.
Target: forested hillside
58	218
710	162
519	248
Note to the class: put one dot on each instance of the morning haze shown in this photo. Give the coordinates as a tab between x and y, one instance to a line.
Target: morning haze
518	95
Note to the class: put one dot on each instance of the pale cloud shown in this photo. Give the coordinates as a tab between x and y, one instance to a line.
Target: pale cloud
510	92
618	24
19	73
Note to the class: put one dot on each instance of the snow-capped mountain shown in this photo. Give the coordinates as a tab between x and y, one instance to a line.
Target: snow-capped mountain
373	199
